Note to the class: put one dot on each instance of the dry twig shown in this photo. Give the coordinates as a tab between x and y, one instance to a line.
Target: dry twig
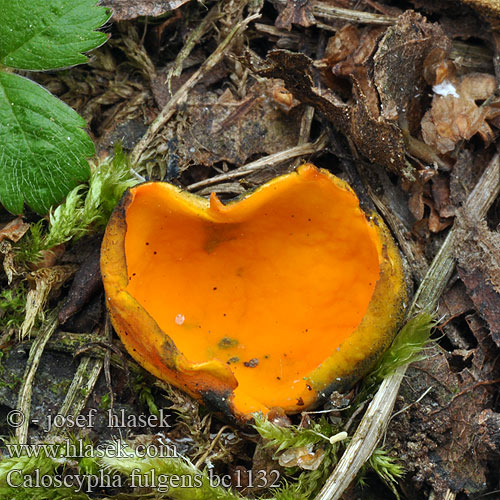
326	11
265	162
26	392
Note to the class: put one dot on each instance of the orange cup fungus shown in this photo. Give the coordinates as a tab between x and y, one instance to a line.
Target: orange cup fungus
273	300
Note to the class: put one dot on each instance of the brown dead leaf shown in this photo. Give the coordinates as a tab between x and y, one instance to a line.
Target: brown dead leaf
486	299
436	200
436	223
343	44
48	258
295	70
416	202
295	12
437	67
399	63
455	302
367	44
478	260
454	114
440	188
130	9
477	86
356	64
418	190
14	230
263	465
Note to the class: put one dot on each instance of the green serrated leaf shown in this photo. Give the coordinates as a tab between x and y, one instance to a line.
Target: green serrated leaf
43	147
49	34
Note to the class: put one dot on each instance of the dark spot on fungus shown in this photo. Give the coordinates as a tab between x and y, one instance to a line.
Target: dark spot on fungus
234	359
252	363
309	388
279	378
300	402
227	342
155	252
214	288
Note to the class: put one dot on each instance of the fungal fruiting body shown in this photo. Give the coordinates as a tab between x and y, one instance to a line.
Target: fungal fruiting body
273	300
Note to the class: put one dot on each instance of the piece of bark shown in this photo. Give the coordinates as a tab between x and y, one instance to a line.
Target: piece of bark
378	140
436	434
488	433
455	301
478	257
